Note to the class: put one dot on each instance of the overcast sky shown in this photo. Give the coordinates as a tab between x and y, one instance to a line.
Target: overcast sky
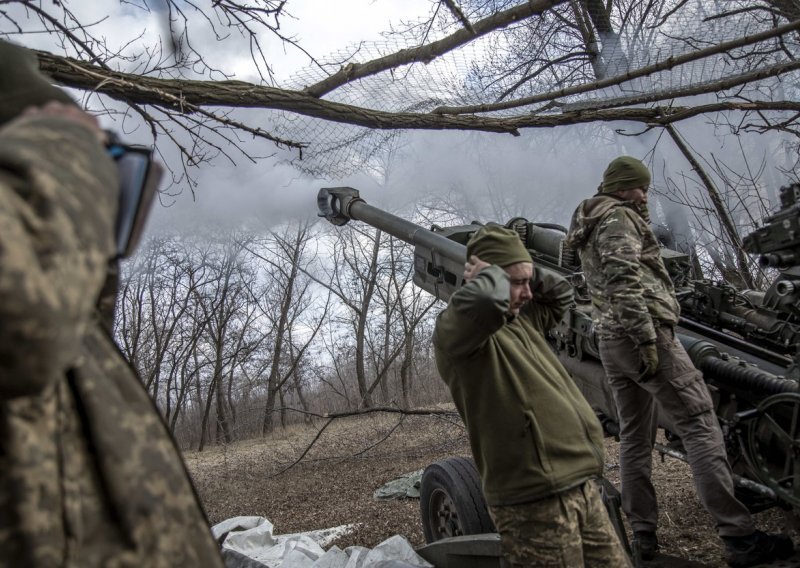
272	189
504	174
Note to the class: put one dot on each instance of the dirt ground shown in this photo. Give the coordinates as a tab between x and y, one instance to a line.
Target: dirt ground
334	482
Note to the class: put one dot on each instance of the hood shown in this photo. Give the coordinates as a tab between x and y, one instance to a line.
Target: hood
586	217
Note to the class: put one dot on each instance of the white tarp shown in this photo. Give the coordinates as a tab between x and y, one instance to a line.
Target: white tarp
249	542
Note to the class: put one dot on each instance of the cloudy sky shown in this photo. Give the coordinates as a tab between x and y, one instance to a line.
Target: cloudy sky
320	27
273	189
541	171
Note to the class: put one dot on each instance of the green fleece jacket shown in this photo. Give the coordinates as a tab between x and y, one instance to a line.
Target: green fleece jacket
531	431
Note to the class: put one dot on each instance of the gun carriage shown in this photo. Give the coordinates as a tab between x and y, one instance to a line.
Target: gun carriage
746	343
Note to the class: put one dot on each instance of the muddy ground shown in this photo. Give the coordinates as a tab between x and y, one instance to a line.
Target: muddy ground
334	482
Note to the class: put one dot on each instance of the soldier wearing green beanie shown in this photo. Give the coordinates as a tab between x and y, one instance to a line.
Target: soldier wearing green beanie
535	440
625	173
498	245
89	474
635	312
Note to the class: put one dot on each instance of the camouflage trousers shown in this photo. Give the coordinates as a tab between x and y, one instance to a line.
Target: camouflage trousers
566	530
687	409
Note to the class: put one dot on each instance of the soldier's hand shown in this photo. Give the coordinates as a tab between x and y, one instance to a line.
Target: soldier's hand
648	357
473	266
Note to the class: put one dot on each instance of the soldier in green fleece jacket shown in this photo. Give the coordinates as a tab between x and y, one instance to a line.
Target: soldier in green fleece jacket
535	439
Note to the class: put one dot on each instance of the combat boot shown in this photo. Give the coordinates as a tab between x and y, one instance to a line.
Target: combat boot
647	544
756	548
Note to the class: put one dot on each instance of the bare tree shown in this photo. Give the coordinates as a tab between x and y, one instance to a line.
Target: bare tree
580	46
285	304
354	280
413	305
224	303
154	303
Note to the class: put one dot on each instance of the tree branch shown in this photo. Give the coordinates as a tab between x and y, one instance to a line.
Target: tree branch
190	96
698	89
664	65
722	210
332	417
427	53
456	11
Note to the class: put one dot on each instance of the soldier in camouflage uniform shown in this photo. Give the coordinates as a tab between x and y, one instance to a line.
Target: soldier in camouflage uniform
635	313
89	475
536	441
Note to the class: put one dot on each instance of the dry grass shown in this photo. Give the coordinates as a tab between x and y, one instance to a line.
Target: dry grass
334	483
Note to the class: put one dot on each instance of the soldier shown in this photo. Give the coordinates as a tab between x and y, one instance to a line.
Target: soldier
636	311
535	440
89	475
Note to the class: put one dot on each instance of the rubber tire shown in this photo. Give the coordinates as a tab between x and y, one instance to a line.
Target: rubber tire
455	479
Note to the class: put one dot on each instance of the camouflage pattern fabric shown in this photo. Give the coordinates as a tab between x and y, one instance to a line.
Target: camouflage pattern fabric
89	475
568	530
631	289
634	303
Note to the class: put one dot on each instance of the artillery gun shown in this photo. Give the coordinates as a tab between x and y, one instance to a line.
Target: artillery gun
746	343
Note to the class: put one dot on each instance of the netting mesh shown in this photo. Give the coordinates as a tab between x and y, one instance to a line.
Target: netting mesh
513	63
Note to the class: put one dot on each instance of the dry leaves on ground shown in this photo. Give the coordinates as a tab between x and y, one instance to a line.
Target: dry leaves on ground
333	485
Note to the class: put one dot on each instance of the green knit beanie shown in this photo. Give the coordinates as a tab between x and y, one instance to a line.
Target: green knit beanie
22	85
624	173
497	245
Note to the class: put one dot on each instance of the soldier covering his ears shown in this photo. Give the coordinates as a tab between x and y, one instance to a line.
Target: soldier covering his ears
536	441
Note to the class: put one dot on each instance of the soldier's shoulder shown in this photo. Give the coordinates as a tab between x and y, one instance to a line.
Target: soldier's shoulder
617	218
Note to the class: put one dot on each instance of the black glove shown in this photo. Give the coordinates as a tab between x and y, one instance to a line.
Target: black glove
648	355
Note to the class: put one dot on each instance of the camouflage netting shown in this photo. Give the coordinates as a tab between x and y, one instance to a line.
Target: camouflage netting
493	68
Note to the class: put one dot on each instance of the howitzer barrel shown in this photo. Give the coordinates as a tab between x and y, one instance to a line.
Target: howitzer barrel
740	340
747	379
341	204
733	374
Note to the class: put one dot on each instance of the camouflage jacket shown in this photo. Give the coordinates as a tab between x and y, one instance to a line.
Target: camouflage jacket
621	258
531	431
89	475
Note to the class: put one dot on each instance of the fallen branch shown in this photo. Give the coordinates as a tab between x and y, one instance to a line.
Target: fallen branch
332	417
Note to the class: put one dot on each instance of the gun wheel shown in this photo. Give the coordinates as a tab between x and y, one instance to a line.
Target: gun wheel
451	500
443	515
774	445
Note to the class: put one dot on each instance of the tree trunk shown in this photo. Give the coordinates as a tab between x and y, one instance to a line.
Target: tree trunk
614	61
269	408
361	374
723	213
223	431
206	414
301	397
405	371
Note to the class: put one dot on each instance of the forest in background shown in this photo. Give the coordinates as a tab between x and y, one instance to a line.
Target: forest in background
239	327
